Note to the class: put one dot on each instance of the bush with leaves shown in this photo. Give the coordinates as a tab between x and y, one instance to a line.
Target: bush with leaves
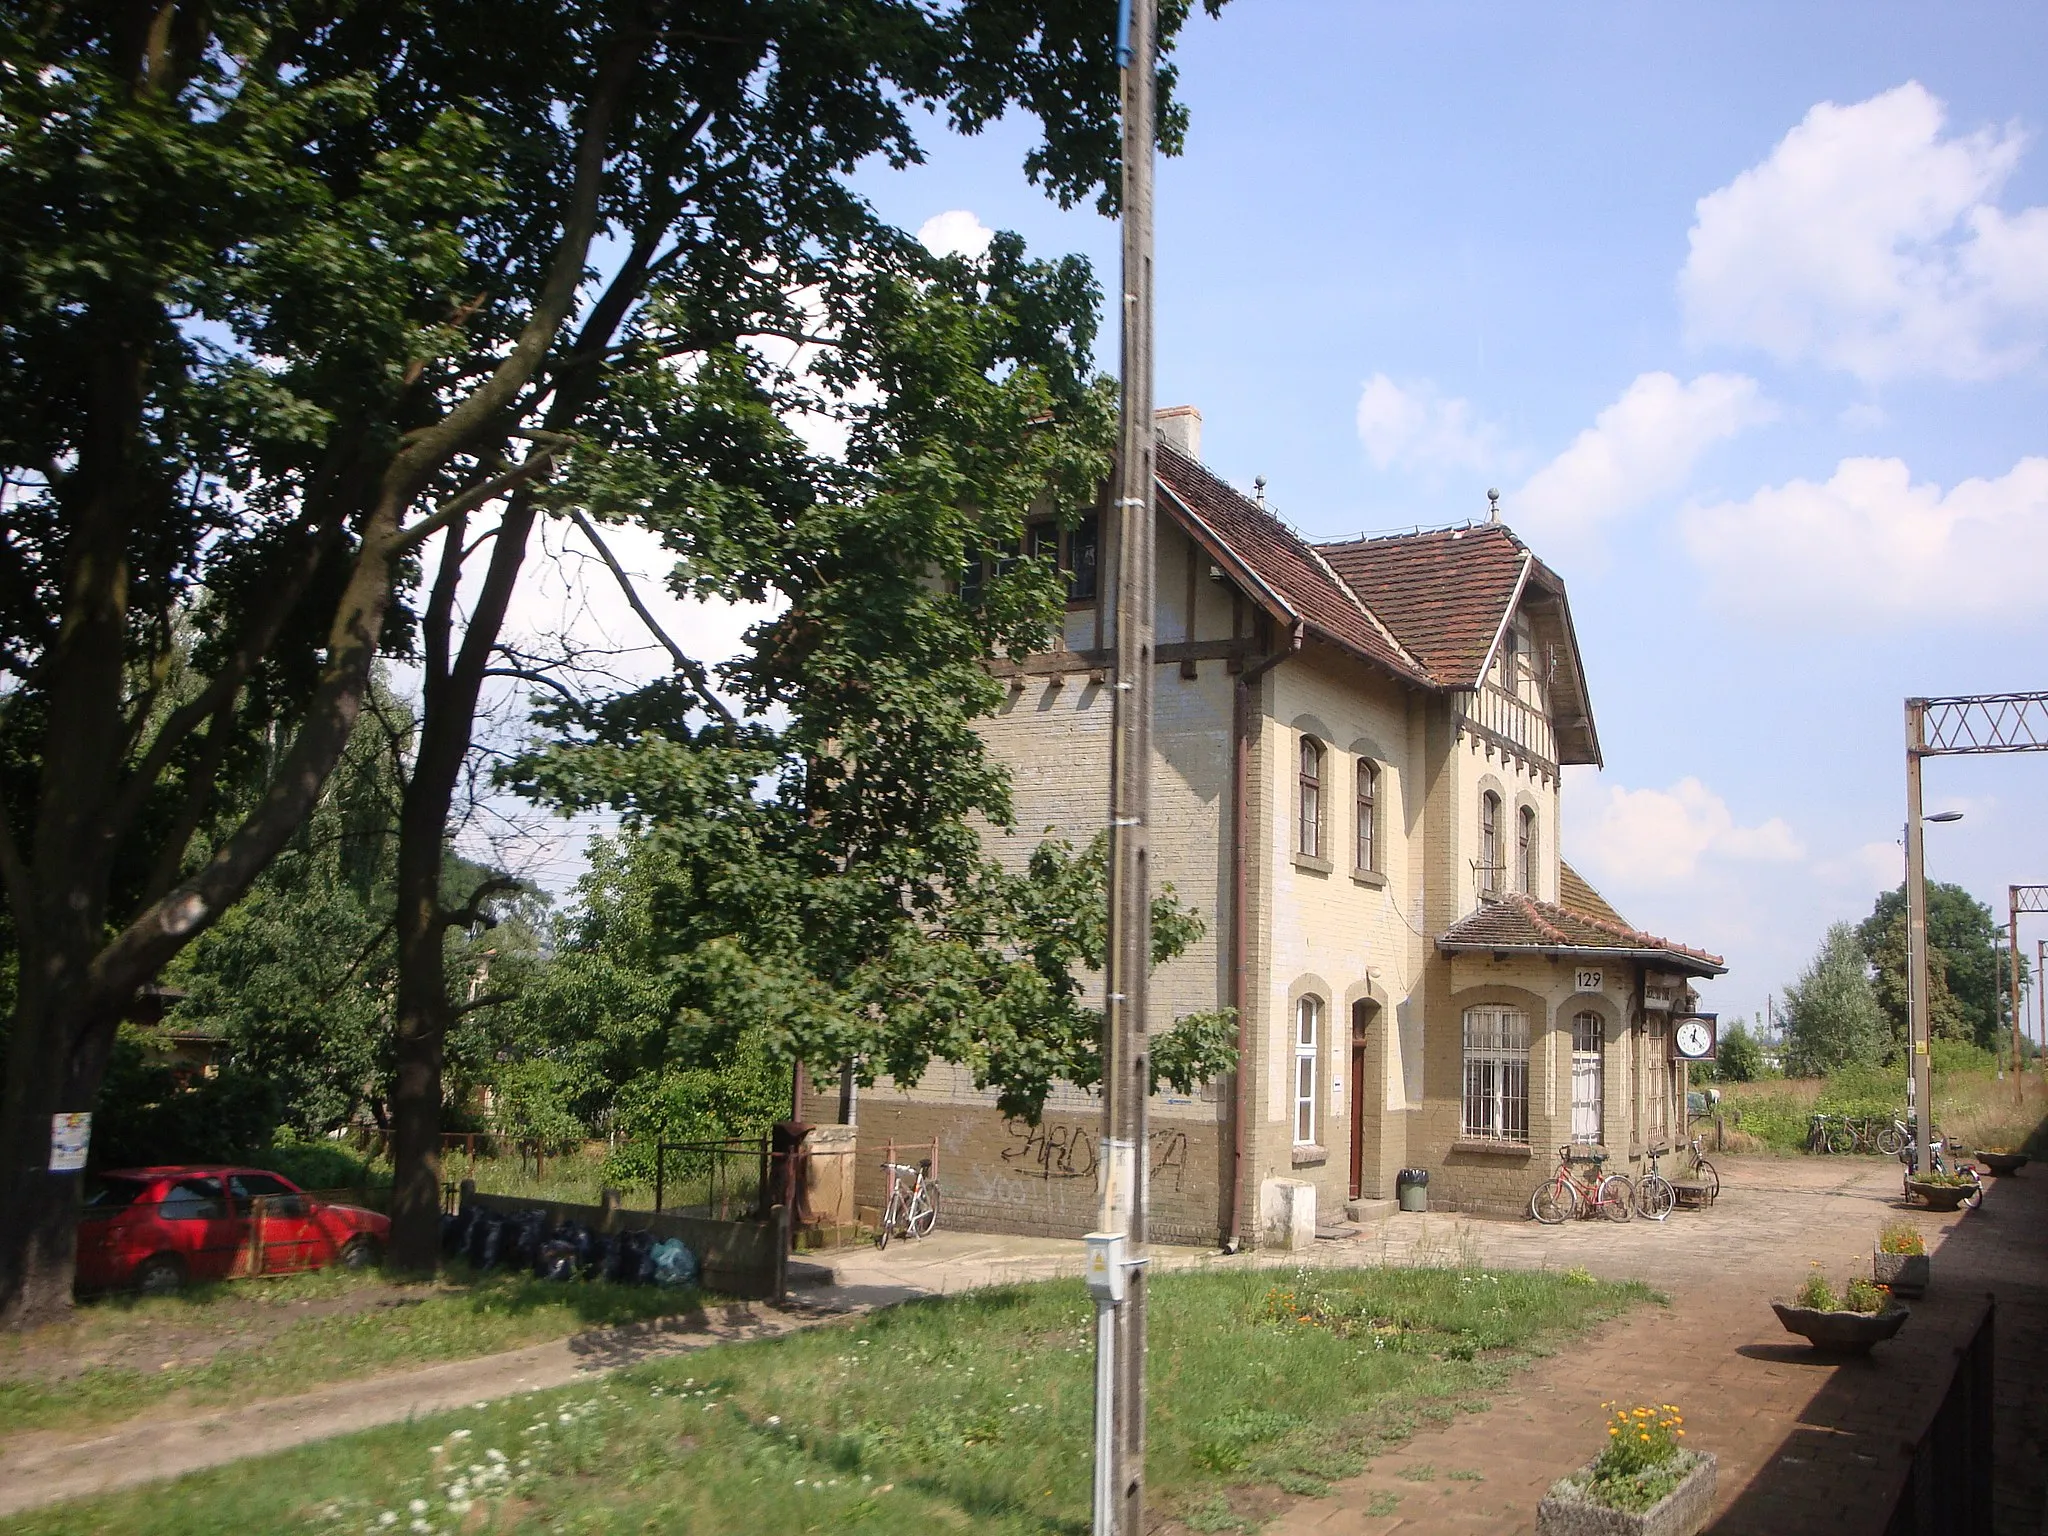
1832	1018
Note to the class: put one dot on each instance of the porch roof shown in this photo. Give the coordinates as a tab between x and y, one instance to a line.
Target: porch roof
1520	924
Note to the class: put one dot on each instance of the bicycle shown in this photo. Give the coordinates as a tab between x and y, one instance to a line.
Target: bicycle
1891	1141
913	1203
1822	1135
1702	1172
1567	1194
1654	1195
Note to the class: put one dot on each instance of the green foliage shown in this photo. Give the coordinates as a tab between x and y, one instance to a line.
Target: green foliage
1740	1056
1863	1295
1900	1237
148	1114
318	1165
1860	1092
1832	1018
961	1412
1967	964
1816	1294
1960	1058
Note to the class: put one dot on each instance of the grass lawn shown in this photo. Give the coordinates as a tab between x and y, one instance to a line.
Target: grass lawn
962	1413
269	1338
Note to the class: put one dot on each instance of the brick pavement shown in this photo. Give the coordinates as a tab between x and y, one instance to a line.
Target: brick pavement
1804	1445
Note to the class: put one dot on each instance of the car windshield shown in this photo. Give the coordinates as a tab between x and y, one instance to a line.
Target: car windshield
112	1194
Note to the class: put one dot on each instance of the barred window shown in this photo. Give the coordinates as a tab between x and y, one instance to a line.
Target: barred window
1368	812
1310	840
1308	1030
1589	1078
1496	1075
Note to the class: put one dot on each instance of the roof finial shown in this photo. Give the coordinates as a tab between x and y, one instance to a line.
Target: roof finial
1259	490
1492	505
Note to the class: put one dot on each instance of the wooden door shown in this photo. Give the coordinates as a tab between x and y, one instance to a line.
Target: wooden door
1357	1119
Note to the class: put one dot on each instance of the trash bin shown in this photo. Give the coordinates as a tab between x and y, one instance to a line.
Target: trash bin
1411	1188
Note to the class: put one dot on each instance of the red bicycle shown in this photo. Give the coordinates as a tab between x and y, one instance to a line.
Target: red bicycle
1569	1193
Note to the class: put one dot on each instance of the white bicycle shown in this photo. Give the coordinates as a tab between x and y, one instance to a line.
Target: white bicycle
913	1204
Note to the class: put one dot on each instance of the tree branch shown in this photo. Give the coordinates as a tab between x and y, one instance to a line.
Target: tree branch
689	666
488	1000
471	913
540	680
466	502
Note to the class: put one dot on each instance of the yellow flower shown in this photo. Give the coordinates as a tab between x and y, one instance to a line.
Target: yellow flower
1614	1432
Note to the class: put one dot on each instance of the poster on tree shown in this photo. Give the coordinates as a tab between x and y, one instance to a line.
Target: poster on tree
69	1137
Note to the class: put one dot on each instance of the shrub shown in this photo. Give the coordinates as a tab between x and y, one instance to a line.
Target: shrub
1900	1237
1636	1469
317	1165
1817	1295
1863	1296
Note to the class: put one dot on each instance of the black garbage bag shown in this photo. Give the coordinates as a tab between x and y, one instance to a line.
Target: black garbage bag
489	1244
629	1253
555	1260
524	1234
577	1236
597	1258
455	1231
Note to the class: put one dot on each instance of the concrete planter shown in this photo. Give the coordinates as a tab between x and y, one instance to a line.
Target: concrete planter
1906	1274
1841	1333
1940	1197
2005	1164
1684	1511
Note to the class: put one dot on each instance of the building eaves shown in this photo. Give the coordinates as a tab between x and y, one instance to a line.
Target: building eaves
1518	923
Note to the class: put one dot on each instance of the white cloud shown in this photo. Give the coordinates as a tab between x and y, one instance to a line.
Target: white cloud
1657	838
1641	447
1872	547
955	232
1868	241
1413	424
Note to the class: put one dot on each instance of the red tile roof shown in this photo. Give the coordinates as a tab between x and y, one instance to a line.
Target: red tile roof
1443	592
1288	568
1576	894
1519	922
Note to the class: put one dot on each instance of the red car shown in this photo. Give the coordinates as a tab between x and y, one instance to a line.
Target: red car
156	1228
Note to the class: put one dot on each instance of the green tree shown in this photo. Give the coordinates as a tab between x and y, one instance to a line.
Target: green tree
290	289
1966	957
1832	1018
1740	1056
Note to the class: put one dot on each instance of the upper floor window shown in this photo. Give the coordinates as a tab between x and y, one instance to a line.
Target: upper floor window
1308	1032
1368	851
1082	541
1525	850
1508	675
1489	844
1309	836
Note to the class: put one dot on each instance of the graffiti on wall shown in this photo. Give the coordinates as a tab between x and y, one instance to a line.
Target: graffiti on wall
1051	1152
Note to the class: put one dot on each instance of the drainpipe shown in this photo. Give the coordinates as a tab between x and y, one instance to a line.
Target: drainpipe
1240	938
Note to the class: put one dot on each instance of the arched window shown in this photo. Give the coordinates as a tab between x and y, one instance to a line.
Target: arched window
1589	1078
1525	851
1496	1075
1368	812
1490	870
1310	838
1308	1034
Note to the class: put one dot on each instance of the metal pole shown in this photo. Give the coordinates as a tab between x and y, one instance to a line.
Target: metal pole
1126	1073
2041	1000
2012	940
1920	1087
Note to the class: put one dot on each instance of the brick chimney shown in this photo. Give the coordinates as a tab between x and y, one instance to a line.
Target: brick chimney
1180	428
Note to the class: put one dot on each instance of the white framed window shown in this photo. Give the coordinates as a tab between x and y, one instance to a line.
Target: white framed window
1309	839
1308	1034
1489	844
1589	1078
1496	1075
1368	851
1525	850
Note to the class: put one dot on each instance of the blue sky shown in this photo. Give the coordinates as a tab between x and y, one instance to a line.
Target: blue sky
1744	310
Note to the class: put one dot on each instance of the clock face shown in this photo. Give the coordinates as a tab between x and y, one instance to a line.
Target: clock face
1694	1038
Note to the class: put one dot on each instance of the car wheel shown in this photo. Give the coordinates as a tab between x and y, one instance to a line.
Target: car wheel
160	1276
359	1253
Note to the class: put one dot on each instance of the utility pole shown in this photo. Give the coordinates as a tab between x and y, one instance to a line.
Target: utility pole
1117	1248
1919	1083
2041	1001
2022	898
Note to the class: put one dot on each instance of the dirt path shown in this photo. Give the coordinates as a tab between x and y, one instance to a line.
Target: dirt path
46	1468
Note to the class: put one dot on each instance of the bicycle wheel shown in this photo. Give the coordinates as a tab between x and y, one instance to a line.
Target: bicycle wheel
924	1209
892	1213
1838	1141
1553	1204
1616	1197
1655	1196
1703	1171
1890	1142
1975	1197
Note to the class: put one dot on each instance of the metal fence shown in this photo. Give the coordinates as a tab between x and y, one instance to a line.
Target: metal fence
727	1180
